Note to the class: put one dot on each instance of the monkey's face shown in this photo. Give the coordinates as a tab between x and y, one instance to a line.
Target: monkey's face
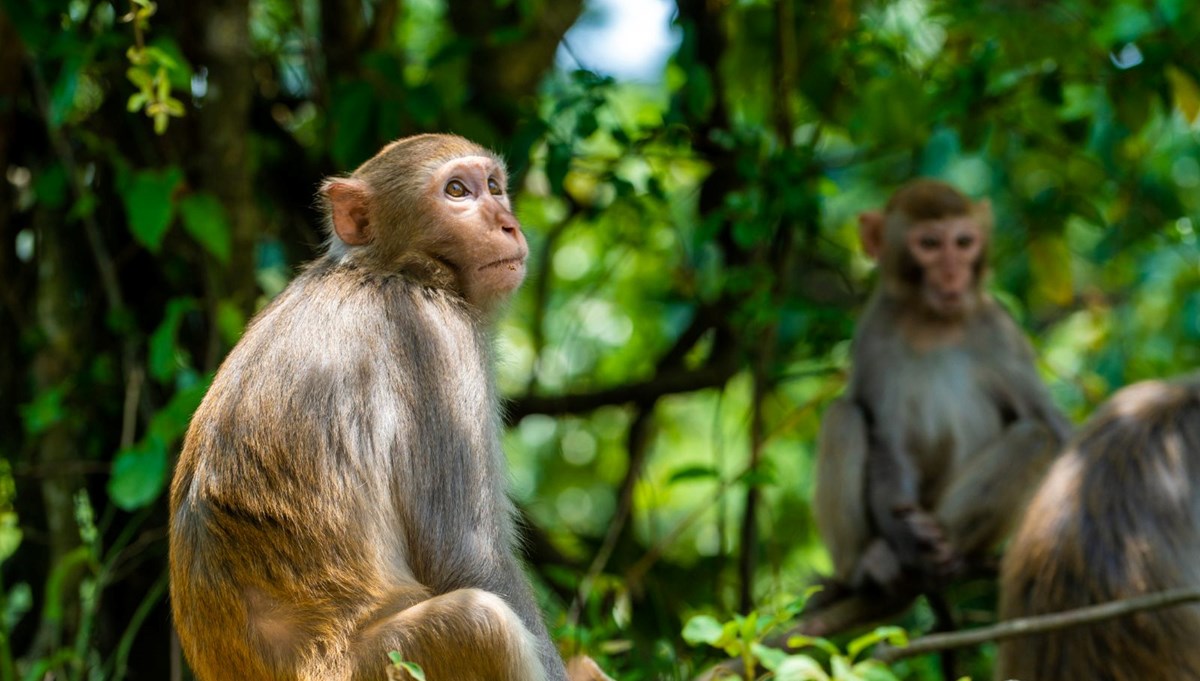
947	252
477	231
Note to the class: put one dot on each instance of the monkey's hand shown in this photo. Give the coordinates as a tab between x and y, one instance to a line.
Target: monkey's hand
921	544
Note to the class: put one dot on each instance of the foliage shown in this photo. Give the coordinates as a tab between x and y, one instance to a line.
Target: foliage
694	282
406	668
744	637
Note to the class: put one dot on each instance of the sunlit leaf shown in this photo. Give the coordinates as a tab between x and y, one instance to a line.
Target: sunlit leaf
893	635
1185	91
703	629
800	668
10	535
771	658
695	472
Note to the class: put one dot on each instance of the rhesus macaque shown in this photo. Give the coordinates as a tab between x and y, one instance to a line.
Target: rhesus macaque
341	491
1117	516
945	427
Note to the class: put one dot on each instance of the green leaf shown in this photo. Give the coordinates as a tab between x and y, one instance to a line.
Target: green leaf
412	668
800	668
802	641
558	163
45	410
230	321
140	77
10	535
62	95
84	207
703	629
150	206
163	352
50	186
874	670
770	658
139	474
204	219
842	671
18	602
893	635
694	472
171	422
352	116
1185	92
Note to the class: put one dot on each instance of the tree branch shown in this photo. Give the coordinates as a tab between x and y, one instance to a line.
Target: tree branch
667	383
1036	624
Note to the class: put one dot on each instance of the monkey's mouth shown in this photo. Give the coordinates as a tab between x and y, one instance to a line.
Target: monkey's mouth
513	263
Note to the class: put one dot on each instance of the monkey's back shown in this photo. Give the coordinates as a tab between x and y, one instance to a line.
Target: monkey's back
1116	517
337	395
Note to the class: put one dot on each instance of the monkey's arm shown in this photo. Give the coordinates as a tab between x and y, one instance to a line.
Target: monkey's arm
1022	390
893	497
839	498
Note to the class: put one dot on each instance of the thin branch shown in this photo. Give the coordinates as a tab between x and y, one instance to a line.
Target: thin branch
638	446
713	375
1036	624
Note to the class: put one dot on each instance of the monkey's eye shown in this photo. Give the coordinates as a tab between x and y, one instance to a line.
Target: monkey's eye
964	241
456	189
494	187
929	243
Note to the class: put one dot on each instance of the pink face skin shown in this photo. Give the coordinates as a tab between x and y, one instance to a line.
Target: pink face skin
947	251
482	237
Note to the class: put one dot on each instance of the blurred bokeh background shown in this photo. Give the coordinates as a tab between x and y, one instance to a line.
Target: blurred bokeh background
688	175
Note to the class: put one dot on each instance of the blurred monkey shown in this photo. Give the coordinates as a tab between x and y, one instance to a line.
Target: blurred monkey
1118	516
945	428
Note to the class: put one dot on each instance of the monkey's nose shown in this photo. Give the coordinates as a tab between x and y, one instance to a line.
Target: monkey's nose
508	224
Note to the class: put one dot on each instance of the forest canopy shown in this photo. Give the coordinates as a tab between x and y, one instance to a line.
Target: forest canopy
694	279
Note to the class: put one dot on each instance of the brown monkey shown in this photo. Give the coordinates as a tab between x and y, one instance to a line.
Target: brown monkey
945	427
1117	516
341	488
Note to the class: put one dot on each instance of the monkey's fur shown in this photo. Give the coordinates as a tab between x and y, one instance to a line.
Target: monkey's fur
341	491
1117	516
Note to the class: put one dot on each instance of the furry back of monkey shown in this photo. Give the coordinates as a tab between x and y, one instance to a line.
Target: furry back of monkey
347	390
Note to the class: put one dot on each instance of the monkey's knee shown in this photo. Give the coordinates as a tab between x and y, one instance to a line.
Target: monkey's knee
466	635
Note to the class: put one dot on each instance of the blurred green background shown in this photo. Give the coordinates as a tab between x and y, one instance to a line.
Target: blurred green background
688	176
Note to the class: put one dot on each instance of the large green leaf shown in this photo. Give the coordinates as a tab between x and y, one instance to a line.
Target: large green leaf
139	474
149	202
204	219
164	354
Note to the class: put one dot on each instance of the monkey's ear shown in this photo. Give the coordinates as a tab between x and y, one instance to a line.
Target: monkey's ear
348	201
870	232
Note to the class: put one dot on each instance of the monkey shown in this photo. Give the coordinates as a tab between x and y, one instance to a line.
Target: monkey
340	492
1117	516
945	425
